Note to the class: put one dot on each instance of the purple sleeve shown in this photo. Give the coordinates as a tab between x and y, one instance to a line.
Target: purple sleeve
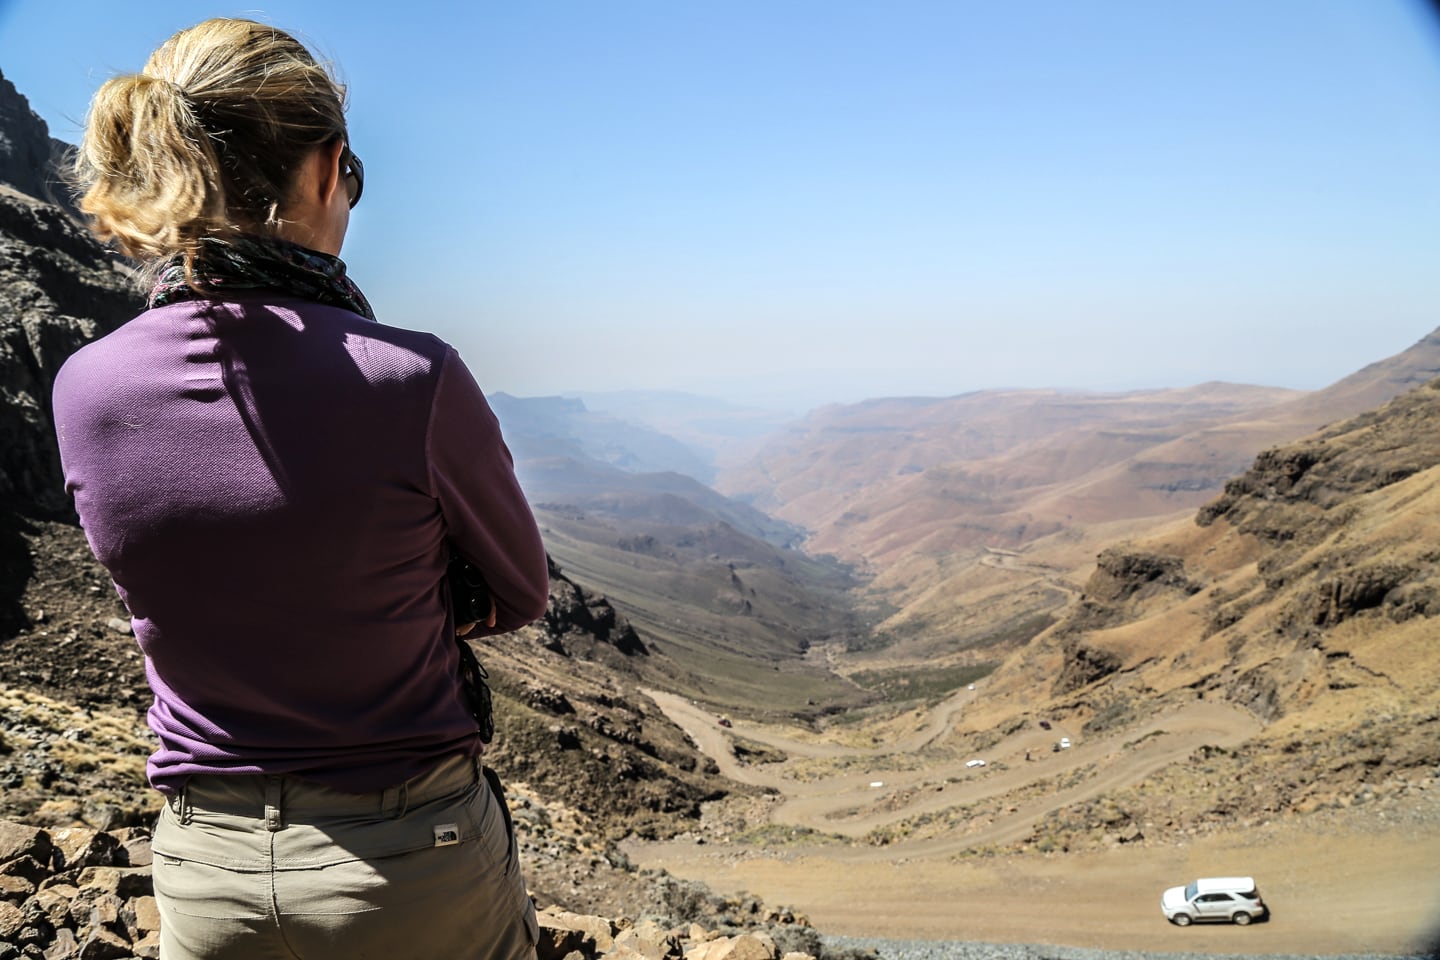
487	518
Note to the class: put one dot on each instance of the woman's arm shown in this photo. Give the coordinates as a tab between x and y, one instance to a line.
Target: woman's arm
488	519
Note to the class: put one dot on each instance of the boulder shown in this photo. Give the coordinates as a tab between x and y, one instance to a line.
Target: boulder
147	946
649	940
15	889
56	904
596	934
12	921
745	946
141	916
77	847
124	882
19	840
27	867
101	943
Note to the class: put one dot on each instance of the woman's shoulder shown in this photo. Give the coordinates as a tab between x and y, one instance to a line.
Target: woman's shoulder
305	328
109	355
384	353
386	345
262	333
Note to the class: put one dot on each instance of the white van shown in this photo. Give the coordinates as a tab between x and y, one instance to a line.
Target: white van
1225	899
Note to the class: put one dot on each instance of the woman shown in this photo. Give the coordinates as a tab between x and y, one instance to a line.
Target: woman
275	482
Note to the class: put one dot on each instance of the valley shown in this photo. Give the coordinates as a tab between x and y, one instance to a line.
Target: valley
819	849
1231	685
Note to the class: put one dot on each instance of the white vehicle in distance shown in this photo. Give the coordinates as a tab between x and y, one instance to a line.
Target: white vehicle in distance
1064	743
974	763
1222	899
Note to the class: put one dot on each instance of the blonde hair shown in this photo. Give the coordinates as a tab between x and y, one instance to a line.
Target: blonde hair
205	140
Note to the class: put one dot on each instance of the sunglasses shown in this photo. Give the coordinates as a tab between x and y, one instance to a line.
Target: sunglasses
354	173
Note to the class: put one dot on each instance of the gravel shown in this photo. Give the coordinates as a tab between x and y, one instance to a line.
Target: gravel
847	947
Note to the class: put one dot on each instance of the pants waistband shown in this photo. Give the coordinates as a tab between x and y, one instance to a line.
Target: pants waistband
278	799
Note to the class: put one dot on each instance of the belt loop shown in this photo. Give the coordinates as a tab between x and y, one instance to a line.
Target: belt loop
389	802
180	805
274	794
395	800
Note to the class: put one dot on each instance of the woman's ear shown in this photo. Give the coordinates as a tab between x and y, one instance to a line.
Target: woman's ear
318	212
330	177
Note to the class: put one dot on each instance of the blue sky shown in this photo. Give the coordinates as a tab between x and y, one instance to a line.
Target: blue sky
799	201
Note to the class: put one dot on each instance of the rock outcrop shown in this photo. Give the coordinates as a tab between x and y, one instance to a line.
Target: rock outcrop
59	288
577	619
1299	500
1288	489
1124	581
30	159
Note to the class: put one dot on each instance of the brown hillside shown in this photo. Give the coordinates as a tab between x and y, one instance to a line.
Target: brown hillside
1304	594
1172	474
922	491
843	471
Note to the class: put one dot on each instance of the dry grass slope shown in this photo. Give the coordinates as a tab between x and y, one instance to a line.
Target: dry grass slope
1305	594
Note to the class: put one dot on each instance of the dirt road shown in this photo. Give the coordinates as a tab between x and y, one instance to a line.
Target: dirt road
1352	893
850	805
1370	891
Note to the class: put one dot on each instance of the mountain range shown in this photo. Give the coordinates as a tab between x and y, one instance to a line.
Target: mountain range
923	492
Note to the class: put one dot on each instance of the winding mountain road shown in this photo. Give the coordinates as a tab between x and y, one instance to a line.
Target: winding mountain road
1107	898
847	803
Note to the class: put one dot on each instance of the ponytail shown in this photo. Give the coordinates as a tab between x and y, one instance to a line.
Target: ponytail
206	140
154	176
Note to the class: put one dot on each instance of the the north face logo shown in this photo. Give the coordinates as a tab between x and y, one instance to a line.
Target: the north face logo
446	834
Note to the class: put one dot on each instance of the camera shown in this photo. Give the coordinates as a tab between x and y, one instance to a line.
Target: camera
469	595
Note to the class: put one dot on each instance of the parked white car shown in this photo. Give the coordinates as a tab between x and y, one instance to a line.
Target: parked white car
974	763
1222	899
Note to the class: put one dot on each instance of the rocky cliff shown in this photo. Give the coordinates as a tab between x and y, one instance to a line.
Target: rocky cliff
58	289
31	160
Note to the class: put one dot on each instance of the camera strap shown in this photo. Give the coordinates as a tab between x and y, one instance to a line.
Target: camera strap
476	690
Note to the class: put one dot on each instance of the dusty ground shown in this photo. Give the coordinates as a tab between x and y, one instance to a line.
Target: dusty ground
1337	881
1330	893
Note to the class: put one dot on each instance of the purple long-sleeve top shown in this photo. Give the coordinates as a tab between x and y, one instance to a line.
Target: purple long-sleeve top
274	486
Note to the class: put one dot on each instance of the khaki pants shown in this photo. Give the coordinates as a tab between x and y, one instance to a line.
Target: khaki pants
274	868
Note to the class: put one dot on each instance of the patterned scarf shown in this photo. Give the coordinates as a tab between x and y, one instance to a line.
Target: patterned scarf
251	263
